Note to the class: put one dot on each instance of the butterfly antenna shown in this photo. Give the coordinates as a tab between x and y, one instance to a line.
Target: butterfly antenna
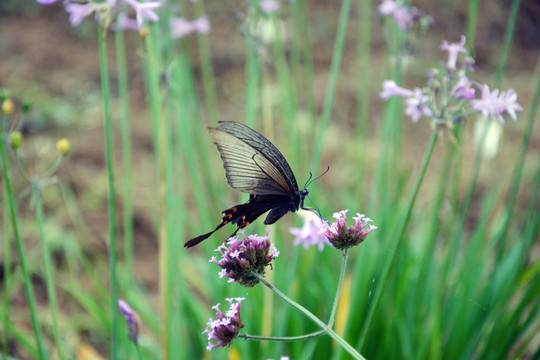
308	182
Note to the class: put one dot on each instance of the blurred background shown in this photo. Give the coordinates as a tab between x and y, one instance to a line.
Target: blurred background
53	67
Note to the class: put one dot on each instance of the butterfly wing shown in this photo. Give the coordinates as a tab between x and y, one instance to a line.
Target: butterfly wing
252	163
242	215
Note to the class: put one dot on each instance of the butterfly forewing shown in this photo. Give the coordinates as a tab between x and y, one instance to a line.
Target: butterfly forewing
252	164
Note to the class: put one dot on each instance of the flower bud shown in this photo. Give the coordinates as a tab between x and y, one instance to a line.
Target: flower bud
144	32
8	106
63	146
131	319
15	139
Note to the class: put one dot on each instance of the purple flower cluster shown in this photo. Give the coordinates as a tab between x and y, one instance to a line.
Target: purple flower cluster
404	16
450	95
131	319
109	10
241	257
337	234
225	328
342	237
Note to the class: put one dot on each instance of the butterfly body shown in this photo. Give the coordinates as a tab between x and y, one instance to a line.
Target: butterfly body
255	166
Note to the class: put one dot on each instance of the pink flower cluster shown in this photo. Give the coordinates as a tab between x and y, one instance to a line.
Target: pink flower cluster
226	327
403	15
78	10
343	237
337	234
243	256
459	90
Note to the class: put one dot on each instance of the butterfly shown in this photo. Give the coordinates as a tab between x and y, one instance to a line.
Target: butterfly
255	166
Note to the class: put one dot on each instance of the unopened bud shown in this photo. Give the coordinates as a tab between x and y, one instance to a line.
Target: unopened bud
63	146
15	139
144	32
8	106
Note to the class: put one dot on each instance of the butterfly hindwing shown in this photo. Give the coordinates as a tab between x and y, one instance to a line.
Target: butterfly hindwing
242	215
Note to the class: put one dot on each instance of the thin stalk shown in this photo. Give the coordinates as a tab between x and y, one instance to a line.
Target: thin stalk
207	70
156	112
7	275
338	291
332	81
47	265
106	94
518	171
472	20
507	43
345	345
462	215
20	249
283	338
362	93
392	251
253	78
127	186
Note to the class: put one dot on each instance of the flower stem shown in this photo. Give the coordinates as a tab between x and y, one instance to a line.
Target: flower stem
127	186
392	251
105	89
49	281
20	250
283	338
332	81
338	291
345	345
7	275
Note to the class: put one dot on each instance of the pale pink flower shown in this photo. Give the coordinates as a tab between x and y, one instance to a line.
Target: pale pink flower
454	49
493	104
310	233
390	88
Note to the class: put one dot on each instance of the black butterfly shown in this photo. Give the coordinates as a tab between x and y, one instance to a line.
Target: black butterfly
255	166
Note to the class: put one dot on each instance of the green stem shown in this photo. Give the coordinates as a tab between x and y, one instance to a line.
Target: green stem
110	193
338	291
400	235
49	281
7	275
126	152
283	338
520	162
345	345
471	24
507	43
332	81
20	249
207	71
363	93
253	79
457	240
